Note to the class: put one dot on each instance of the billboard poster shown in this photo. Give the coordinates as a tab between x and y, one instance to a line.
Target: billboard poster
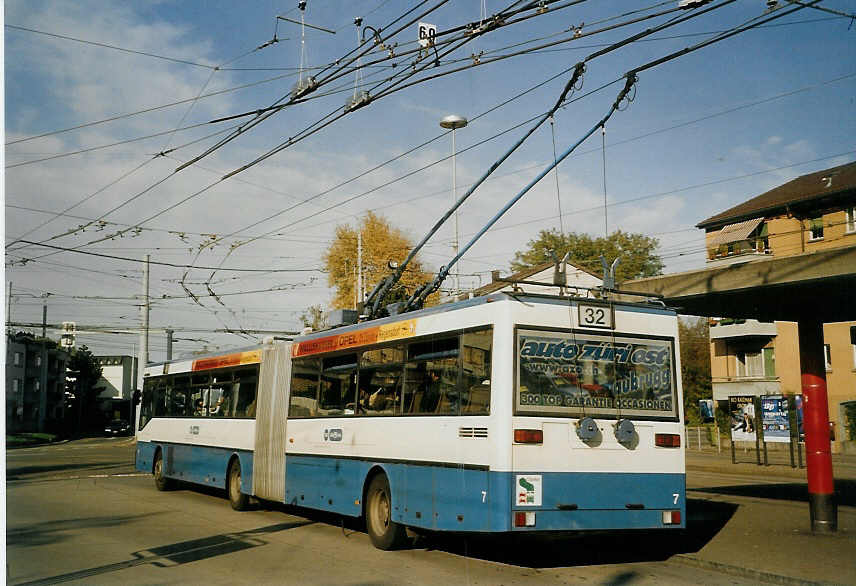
742	411
705	409
774	419
800	430
567	374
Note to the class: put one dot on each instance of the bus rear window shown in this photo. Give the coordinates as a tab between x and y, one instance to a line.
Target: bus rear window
576	374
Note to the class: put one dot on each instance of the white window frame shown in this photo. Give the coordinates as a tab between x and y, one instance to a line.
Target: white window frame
850	223
827	356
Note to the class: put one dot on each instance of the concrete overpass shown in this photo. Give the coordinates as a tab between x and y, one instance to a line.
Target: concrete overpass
810	289
820	286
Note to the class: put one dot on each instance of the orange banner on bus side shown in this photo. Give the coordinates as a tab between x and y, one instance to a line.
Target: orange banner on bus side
366	337
237	359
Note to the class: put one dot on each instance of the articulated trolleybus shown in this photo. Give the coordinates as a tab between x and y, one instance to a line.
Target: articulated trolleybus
503	413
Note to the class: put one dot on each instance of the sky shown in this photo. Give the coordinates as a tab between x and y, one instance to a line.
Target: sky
105	100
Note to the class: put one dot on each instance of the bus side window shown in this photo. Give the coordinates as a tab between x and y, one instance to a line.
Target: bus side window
177	396
159	399
148	402
475	376
304	388
244	393
337	385
380	381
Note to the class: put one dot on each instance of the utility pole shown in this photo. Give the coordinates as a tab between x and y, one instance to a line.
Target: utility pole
143	358
360	295
9	309
43	378
169	334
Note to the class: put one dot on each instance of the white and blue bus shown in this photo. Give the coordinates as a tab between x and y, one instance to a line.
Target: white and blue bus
503	413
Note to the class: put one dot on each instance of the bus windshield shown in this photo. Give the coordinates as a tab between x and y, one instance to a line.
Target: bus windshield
580	374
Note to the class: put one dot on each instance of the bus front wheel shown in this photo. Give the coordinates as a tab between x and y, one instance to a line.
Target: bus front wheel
384	533
161	481
237	499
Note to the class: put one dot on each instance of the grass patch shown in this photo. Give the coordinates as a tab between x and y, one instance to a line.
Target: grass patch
29	439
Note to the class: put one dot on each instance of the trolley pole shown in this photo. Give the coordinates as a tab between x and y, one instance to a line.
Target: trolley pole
821	486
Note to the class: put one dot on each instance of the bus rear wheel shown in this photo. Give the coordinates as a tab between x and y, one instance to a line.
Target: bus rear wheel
161	481
384	533
237	499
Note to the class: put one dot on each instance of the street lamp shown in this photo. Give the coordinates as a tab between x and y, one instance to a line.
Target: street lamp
453	121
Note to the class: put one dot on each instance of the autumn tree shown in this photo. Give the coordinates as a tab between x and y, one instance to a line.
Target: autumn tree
314	317
636	251
694	337
381	243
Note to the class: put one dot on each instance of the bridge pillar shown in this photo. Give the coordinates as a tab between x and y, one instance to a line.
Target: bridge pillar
821	488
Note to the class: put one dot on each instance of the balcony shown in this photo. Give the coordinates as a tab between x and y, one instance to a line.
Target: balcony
742	329
716	259
724	387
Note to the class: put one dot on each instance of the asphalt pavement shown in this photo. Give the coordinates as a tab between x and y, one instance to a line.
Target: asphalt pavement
760	523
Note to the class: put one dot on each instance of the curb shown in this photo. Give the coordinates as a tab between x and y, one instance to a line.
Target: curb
37	445
755	575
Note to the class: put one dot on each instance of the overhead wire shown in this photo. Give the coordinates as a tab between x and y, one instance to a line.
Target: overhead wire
108	46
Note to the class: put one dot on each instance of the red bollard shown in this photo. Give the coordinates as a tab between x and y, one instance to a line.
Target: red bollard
821	487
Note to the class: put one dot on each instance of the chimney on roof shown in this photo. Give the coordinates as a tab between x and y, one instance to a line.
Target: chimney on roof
494	276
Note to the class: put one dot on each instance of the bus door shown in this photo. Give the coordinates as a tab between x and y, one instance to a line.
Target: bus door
271	409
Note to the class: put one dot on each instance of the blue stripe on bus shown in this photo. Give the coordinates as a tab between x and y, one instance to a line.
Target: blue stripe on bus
455	499
445	498
204	465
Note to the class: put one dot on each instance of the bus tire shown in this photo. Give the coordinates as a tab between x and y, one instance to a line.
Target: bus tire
161	482
237	499
384	533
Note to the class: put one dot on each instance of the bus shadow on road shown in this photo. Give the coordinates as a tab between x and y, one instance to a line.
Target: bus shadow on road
51	532
845	491
705	519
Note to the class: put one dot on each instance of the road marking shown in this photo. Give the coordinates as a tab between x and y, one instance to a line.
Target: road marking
54	478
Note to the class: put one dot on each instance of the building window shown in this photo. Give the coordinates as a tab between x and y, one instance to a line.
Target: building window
17	359
851	220
827	356
750	364
816	229
16	385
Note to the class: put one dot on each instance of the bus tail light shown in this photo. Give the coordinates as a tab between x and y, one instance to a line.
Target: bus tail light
667	440
671	517
524	519
528	436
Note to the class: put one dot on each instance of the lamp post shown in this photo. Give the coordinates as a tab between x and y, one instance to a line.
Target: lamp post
453	122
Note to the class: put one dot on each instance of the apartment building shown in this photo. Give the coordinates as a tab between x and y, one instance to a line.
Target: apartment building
35	383
813	212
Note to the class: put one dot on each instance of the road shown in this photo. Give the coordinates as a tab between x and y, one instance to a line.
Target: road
79	513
